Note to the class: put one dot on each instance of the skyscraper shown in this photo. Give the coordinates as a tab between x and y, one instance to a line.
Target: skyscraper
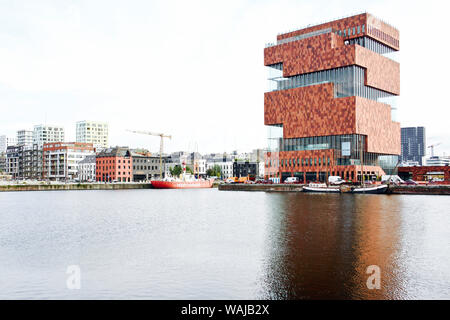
413	144
328	107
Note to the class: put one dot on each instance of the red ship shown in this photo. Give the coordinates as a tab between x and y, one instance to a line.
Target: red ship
160	184
186	182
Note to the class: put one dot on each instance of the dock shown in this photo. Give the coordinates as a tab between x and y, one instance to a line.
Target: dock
407	189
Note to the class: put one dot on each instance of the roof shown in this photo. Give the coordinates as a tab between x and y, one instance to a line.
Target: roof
115	152
88	159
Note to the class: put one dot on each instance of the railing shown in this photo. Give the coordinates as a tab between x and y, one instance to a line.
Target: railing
302	36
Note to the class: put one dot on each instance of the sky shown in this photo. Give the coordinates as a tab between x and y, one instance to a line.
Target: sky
192	69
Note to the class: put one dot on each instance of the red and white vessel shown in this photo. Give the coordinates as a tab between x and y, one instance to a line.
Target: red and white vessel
186	182
180	184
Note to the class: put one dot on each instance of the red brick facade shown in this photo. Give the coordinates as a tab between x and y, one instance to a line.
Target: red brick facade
314	111
114	165
422	173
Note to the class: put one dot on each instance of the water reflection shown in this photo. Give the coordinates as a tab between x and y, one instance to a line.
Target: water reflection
321	246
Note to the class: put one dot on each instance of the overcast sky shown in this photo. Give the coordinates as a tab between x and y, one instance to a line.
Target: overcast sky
193	69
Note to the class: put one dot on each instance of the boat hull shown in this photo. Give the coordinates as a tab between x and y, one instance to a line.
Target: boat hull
182	184
371	190
322	190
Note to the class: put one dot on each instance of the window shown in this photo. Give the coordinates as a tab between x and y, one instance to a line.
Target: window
359	29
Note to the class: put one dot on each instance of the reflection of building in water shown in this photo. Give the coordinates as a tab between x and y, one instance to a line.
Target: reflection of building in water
321	245
330	103
377	242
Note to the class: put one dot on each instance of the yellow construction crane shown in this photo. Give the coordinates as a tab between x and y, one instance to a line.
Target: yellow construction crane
161	145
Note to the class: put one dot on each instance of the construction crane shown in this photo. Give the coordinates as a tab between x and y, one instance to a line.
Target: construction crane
432	148
161	145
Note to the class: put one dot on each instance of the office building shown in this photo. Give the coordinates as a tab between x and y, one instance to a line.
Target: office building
330	101
413	144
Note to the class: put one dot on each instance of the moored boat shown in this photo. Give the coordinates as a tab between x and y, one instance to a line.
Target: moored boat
179	184
378	189
320	187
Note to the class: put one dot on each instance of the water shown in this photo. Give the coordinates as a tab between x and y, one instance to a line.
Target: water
210	244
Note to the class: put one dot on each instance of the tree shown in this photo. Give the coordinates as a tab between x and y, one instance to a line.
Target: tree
215	171
176	171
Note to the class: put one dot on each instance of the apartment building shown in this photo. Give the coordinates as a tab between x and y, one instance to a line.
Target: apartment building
226	167
92	132
114	164
146	167
61	159
43	134
14	161
5	142
25	138
86	169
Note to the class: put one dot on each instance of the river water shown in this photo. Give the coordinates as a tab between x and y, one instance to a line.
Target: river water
210	244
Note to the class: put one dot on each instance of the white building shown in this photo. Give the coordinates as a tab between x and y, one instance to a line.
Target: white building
438	161
25	138
61	159
86	169
200	167
93	132
225	166
47	134
5	142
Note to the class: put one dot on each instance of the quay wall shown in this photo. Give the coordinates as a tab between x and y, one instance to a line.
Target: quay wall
418	189
81	186
262	187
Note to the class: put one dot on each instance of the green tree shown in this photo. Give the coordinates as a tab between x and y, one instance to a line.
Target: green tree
176	171
215	171
189	170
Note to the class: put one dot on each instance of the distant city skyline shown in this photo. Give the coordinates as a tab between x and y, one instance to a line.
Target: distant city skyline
199	77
